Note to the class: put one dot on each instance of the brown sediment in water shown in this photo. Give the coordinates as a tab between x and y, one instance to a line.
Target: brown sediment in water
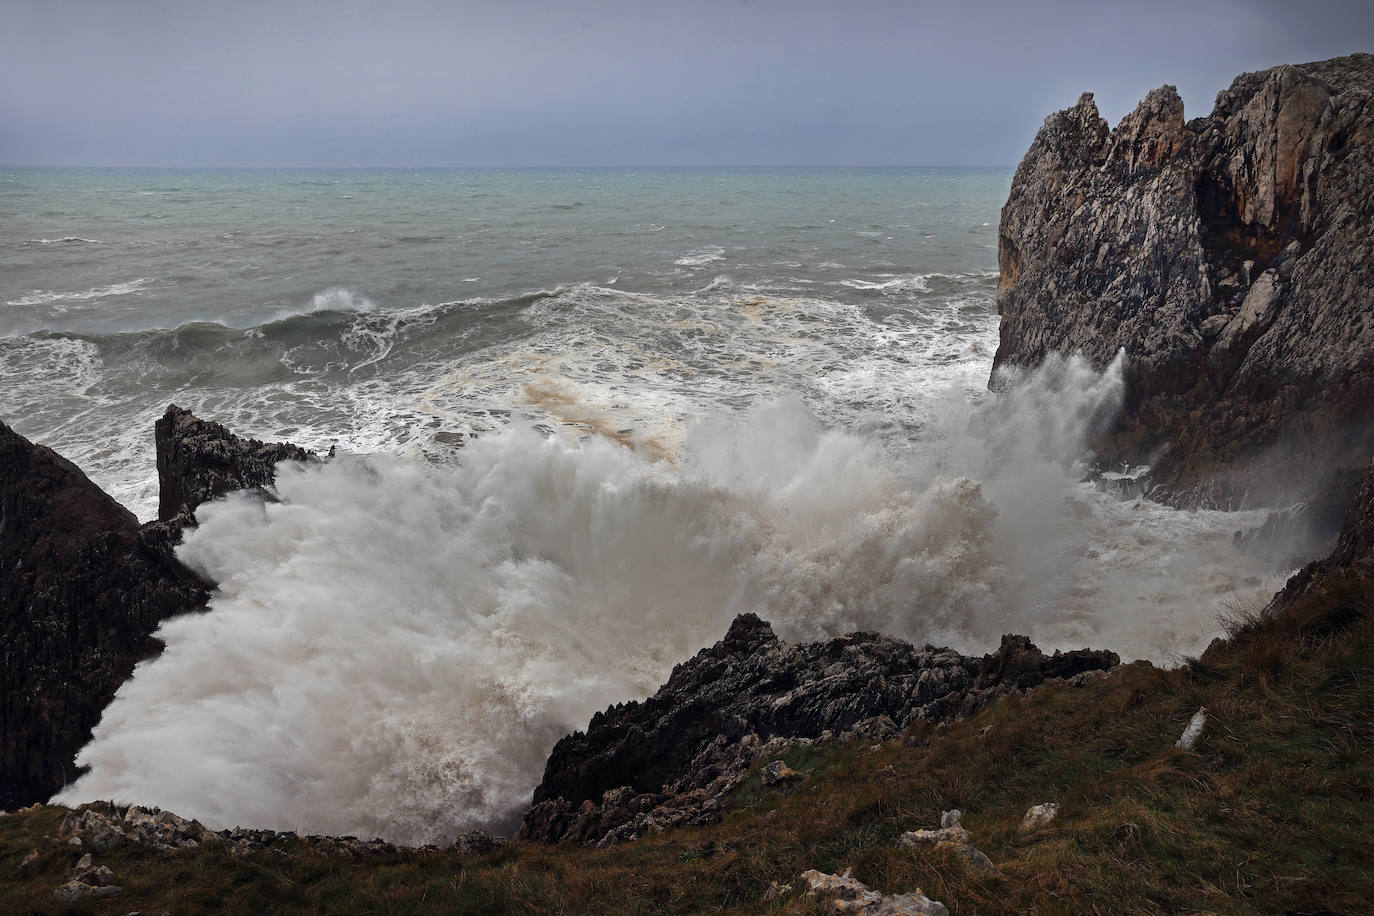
558	401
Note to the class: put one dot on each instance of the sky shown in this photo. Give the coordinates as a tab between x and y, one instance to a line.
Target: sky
335	83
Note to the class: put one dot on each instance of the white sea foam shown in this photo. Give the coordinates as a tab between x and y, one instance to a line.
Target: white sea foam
701	257
394	649
918	283
43	297
65	240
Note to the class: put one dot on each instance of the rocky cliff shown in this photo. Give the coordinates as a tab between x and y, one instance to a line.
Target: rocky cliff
84	586
198	460
1232	257
669	760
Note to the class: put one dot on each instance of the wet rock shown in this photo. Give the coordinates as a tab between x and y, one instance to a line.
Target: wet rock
198	460
83	588
87	879
848	895
671	759
1039	816
1232	258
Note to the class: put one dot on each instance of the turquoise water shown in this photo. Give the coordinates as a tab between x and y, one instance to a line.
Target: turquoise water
377	309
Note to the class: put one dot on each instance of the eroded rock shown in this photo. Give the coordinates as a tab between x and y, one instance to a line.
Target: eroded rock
1232	258
671	759
849	895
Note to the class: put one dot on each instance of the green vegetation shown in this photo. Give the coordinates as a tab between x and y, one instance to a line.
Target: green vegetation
1270	813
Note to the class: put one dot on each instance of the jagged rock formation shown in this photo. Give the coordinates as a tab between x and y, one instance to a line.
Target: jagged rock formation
82	590
1232	257
84	586
198	460
668	760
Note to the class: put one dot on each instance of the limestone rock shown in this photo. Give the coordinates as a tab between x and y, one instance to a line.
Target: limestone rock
669	760
1039	816
849	895
1193	731
1232	258
87	879
778	772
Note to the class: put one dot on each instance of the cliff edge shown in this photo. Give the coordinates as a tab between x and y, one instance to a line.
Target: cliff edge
1232	257
84	586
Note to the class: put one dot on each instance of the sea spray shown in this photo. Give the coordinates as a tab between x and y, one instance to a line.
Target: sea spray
394	649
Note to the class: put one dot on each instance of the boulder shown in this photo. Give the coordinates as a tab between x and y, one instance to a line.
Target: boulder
1232	258
847	894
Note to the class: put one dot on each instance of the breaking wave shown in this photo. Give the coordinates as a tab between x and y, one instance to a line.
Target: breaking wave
394	649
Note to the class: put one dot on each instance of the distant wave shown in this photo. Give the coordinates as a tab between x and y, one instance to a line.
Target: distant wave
701	257
42	297
64	240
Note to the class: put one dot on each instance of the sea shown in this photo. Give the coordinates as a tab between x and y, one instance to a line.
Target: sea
579	419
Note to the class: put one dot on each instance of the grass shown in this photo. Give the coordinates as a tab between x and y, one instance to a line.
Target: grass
1269	813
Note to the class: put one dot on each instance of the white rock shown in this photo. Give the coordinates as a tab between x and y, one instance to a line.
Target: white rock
1193	731
1039	815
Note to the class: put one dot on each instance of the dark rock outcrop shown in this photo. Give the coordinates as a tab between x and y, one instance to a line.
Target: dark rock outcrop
1353	557
82	589
667	760
83	586
1232	257
198	460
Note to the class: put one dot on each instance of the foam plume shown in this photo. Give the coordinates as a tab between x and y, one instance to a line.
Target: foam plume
393	649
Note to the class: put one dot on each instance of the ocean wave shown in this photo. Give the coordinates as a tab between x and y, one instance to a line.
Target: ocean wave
64	240
919	283
700	257
394	650
43	297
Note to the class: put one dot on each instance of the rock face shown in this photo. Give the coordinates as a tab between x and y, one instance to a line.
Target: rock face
1232	257
198	460
667	760
1354	553
84	586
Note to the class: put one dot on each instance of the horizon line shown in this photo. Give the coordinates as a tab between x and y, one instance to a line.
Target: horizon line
344	168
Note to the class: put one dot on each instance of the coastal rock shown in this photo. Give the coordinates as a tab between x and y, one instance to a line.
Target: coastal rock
849	895
87	879
670	759
1232	258
198	460
1038	816
83	588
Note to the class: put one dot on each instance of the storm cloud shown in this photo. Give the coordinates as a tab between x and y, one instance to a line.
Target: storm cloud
604	82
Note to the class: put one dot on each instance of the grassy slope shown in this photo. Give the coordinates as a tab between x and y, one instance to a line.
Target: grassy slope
1270	813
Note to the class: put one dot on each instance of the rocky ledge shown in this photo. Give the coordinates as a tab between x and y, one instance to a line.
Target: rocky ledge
84	586
1232	258
670	760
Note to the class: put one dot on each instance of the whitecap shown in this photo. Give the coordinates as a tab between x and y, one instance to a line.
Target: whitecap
43	297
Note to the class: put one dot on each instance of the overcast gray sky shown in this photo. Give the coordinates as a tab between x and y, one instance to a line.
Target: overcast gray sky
606	82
